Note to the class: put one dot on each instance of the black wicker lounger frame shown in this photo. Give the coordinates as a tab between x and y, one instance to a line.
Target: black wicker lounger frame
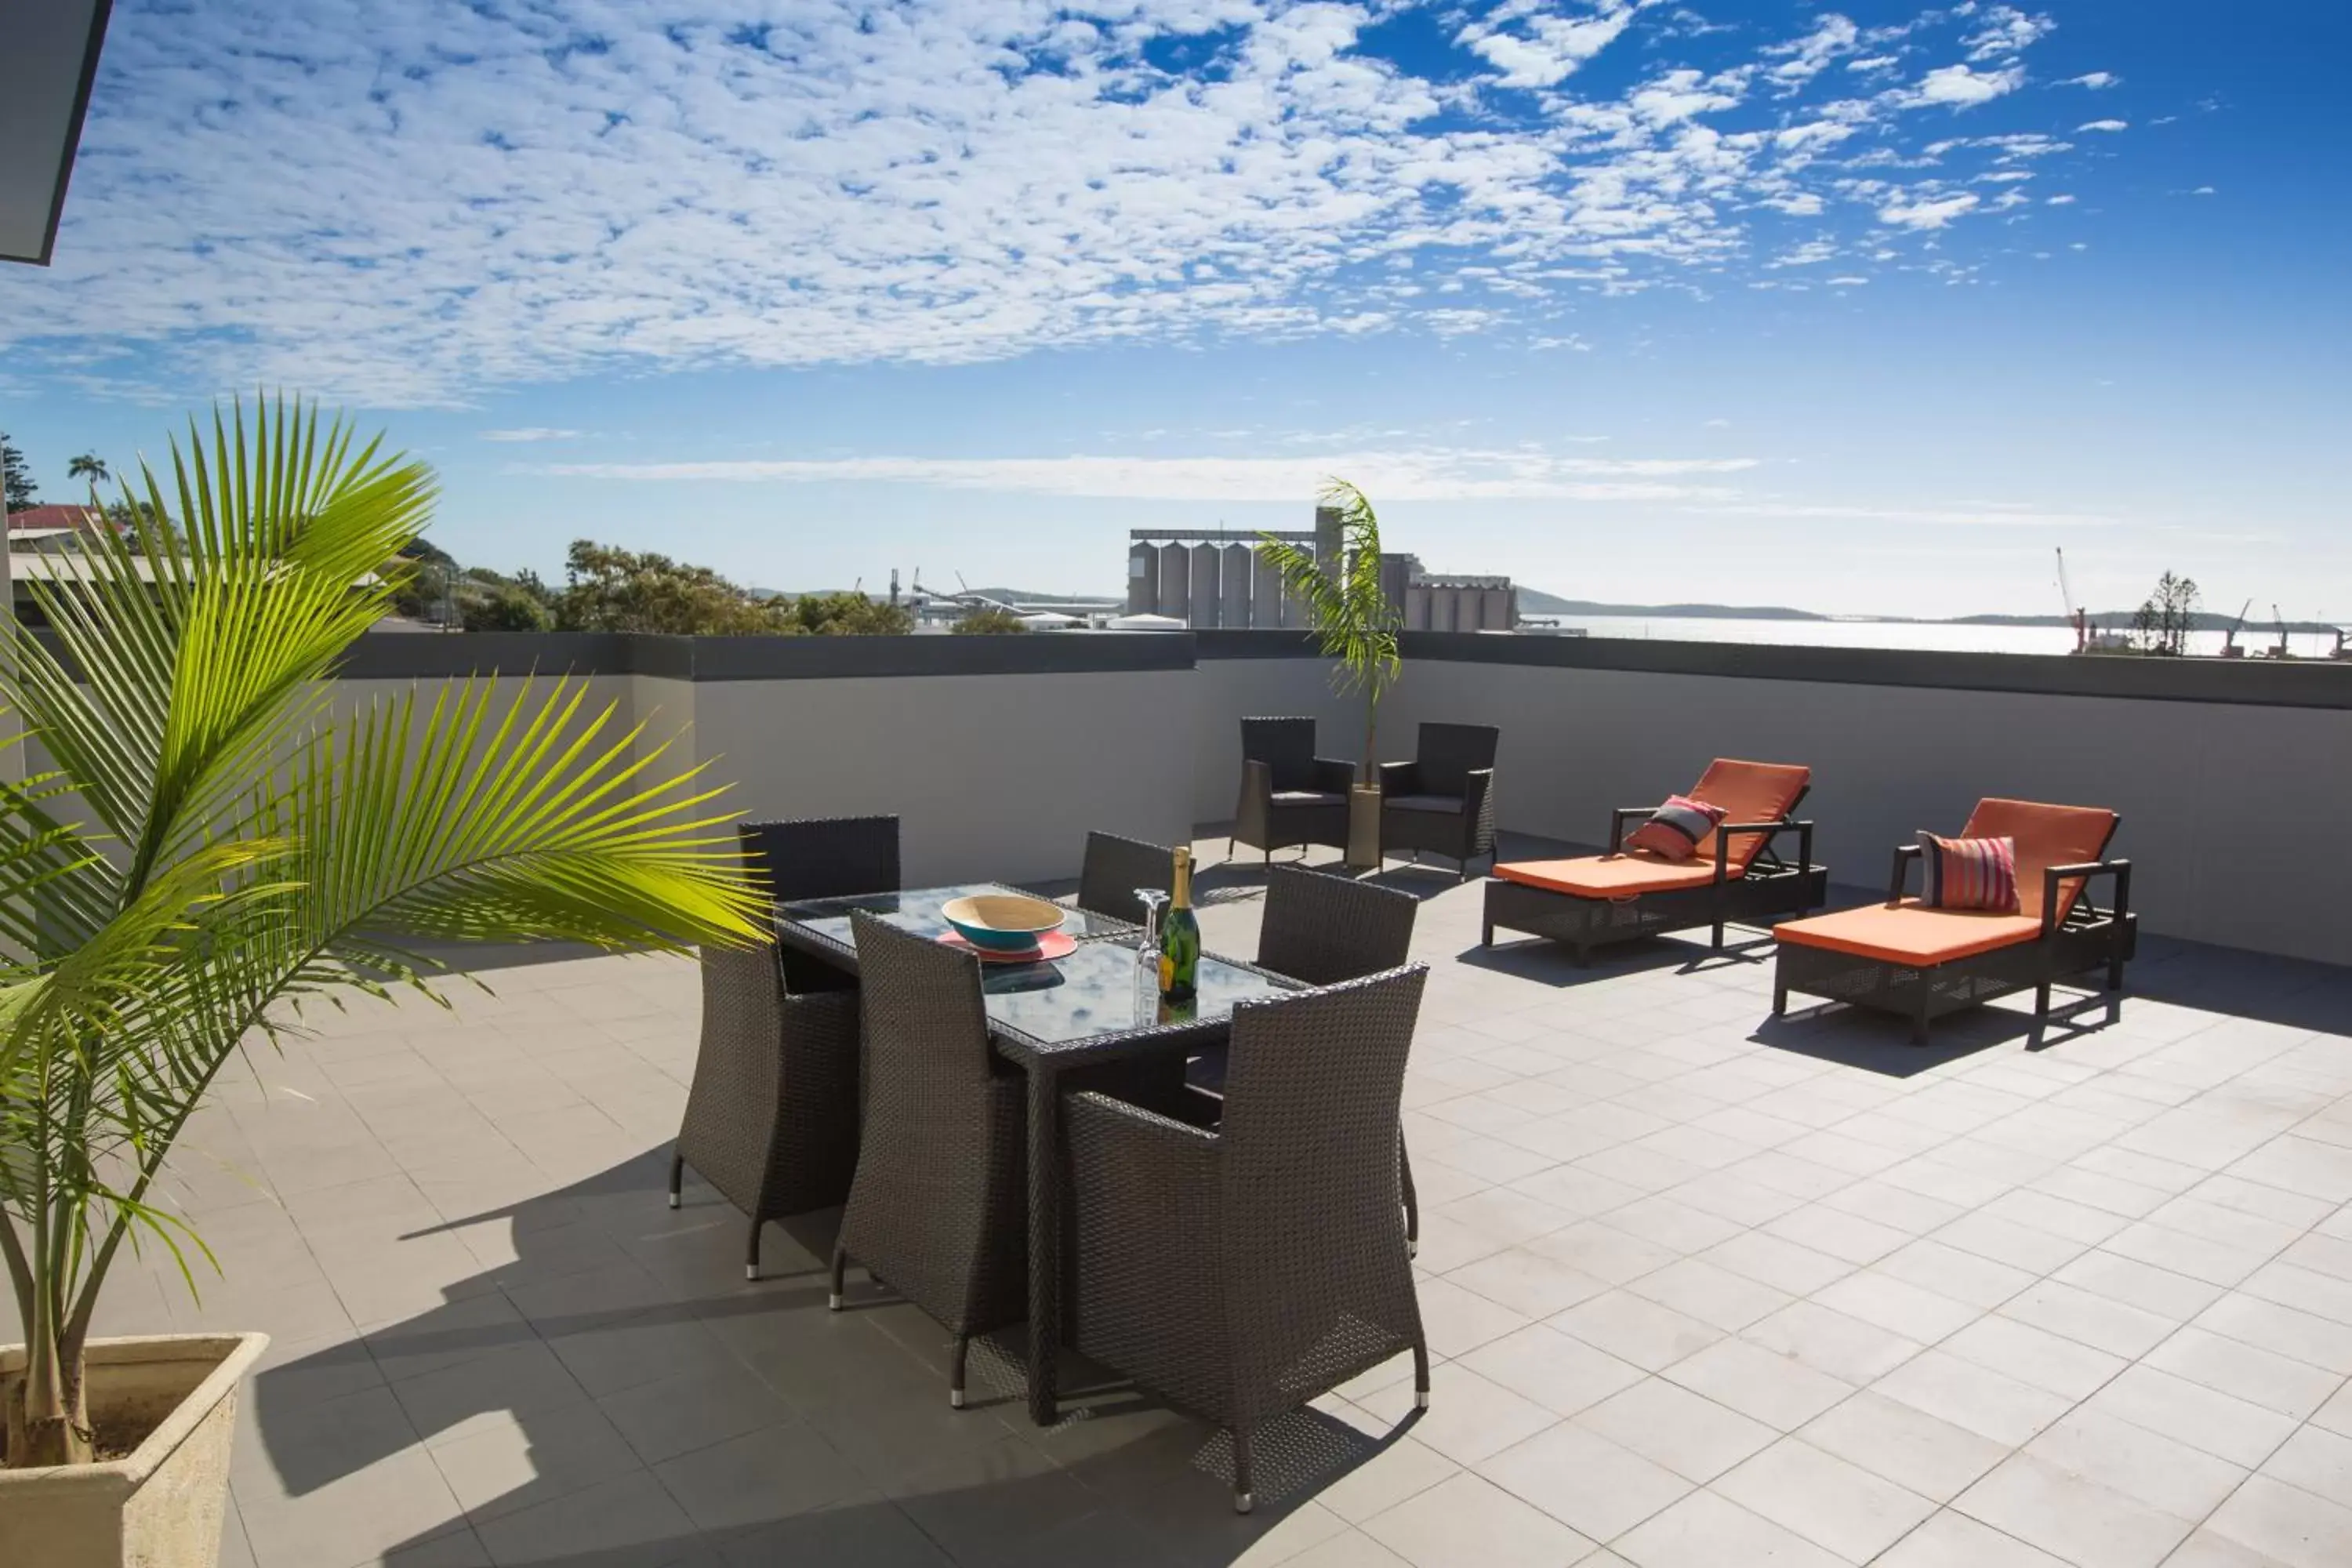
2087	939
1771	888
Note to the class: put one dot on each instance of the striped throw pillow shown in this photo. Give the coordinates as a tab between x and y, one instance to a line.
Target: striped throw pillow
1675	829
1970	873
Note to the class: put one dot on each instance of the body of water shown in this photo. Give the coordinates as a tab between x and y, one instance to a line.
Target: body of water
1908	634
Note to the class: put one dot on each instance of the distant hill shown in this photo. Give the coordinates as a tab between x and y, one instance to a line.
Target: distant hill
1535	600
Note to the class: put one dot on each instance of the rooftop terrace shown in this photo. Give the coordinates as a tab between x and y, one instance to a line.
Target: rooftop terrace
1706	1289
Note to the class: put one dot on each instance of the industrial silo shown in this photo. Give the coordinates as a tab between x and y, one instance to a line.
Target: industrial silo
1235	615
1207	580
1175	580
1143	579
1266	594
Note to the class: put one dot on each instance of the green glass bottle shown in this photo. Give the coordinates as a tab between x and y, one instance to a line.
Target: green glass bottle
1180	938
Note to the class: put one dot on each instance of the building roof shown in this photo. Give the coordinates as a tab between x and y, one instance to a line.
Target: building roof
55	517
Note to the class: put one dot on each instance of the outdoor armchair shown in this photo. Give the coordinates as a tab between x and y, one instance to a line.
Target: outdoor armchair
1323	929
1737	875
1920	963
1290	795
1443	800
772	1115
1241	1273
938	1209
1115	868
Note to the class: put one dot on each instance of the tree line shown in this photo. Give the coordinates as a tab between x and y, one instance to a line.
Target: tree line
609	589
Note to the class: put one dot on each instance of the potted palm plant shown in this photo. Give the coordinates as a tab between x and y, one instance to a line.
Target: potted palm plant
203	841
1356	625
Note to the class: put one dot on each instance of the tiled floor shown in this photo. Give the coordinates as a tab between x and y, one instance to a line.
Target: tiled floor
1709	1290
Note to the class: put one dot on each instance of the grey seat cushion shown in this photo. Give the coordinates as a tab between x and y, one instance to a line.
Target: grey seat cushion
1308	797
1421	803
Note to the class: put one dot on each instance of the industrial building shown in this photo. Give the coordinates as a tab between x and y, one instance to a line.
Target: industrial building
1214	579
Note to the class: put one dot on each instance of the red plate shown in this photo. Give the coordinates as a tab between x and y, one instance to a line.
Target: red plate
1052	945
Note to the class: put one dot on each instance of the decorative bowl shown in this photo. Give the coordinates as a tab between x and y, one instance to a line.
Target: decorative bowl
1002	923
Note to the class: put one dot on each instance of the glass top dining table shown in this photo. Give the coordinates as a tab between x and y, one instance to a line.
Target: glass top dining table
1055	1019
1099	988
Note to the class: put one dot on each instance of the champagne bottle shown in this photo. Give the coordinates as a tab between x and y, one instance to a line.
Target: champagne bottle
1180	938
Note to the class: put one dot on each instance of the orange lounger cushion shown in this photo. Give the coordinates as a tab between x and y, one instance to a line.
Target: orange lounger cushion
1910	932
1747	792
1607	875
2045	835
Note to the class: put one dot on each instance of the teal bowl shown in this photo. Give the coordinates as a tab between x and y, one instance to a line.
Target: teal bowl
1002	923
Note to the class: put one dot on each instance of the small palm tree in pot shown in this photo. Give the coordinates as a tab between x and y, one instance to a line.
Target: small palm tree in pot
206	837
1355	626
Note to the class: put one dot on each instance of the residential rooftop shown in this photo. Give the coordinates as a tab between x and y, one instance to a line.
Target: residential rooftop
1704	1289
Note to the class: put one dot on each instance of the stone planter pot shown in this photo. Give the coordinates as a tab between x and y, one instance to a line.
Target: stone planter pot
161	1507
1363	827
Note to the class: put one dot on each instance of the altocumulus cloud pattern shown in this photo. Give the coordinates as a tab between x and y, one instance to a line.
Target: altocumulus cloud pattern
401	204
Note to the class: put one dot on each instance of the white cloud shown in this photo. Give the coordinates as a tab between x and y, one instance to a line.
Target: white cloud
2104	125
412	204
2094	80
530	433
1928	212
1535	50
1962	87
2004	31
1432	474
1832	36
2058	200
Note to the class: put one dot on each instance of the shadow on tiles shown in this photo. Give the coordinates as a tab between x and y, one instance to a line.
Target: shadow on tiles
618	1395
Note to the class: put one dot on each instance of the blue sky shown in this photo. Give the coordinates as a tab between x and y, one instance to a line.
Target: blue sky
1861	307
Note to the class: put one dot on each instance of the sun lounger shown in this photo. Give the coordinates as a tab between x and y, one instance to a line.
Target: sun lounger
1907	958
1736	875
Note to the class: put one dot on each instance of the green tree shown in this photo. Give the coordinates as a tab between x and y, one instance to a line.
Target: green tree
212	844
848	614
1351	619
2165	618
608	589
506	608
17	489
89	466
987	620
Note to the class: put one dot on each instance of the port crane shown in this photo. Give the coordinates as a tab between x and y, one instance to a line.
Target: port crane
2281	650
2074	610
2230	649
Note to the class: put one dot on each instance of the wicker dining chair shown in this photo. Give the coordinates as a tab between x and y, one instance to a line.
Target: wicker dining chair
1241	1273
939	1208
772	1116
821	857
1115	868
1323	929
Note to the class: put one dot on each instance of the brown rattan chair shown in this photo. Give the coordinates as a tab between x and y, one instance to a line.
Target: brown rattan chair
821	857
1290	795
939	1209
1443	800
772	1117
1115	868
1243	1272
1323	929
